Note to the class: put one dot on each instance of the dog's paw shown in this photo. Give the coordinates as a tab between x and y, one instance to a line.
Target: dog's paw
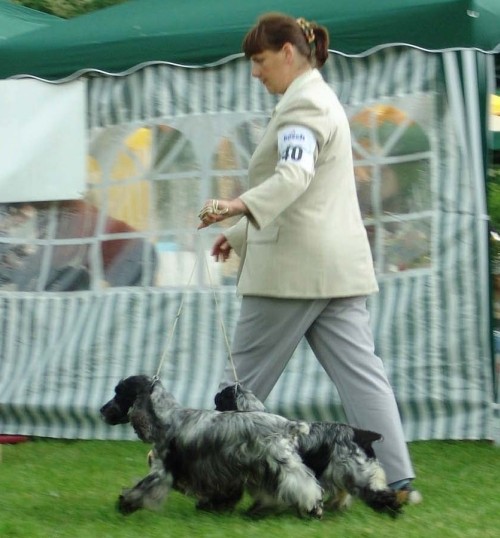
386	500
317	511
125	506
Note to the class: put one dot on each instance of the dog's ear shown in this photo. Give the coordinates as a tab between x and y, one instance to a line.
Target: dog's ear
140	413
141	420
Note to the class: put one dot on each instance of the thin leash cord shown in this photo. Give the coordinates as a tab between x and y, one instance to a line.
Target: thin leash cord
221	320
174	325
219	313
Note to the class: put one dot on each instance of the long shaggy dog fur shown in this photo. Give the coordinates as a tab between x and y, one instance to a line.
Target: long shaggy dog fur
211	455
341	457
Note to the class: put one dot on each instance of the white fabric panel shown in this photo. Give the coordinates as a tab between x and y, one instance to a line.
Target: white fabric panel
43	134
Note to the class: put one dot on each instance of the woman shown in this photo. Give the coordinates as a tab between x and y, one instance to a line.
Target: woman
306	266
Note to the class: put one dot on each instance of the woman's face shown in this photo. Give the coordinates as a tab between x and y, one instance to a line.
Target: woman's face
271	68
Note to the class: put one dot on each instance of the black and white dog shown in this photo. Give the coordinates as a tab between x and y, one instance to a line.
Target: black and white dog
341	457
213	456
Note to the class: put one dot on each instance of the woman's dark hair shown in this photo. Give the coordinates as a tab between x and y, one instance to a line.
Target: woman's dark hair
273	30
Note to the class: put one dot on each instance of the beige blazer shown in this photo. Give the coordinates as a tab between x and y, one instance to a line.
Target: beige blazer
305	237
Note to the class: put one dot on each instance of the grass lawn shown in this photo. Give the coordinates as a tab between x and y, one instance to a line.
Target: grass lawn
55	488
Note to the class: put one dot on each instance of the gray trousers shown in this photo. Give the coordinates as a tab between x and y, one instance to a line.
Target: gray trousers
339	333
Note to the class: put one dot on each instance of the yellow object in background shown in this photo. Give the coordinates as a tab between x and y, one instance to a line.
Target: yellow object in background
495	105
128	194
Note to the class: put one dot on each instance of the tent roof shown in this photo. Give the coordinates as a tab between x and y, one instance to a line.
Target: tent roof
197	32
16	19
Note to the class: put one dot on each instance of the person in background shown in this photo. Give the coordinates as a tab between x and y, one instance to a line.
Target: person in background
306	268
124	260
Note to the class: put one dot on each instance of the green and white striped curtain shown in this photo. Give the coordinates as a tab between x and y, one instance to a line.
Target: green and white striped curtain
165	138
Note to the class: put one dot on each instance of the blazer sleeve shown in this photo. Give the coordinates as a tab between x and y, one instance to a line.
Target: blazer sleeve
311	114
289	181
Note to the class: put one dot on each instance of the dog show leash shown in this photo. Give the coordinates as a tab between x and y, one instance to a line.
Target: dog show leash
156	377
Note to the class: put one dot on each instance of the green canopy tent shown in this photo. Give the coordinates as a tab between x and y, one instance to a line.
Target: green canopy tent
173	116
195	33
15	20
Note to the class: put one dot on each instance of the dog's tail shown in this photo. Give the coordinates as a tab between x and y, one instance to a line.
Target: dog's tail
385	500
364	439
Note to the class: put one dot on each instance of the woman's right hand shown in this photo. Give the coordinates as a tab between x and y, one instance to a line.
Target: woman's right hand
221	248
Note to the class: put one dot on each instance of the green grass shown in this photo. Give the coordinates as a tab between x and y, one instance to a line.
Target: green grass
52	489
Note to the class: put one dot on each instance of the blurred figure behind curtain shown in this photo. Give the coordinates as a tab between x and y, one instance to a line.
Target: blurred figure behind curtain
36	264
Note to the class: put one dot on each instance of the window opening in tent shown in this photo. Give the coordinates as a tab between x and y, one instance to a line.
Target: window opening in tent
392	159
